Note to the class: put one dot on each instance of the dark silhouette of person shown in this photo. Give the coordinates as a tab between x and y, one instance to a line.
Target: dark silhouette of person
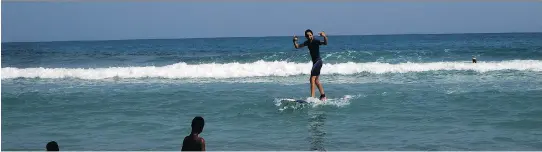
194	142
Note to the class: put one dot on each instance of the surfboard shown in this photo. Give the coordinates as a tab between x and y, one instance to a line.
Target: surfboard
295	100
301	100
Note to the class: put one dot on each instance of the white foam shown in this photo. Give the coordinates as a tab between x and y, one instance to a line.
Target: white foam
260	68
288	103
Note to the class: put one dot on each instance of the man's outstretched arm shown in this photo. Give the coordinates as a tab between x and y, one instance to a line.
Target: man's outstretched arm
297	46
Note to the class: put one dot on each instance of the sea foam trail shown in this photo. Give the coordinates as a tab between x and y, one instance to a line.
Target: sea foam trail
261	68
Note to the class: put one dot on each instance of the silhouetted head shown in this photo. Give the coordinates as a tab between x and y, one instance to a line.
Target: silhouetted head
197	124
308	34
52	146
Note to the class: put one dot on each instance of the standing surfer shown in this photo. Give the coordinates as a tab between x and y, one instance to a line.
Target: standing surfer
314	49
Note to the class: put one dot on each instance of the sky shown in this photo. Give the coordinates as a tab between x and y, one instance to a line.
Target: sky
67	21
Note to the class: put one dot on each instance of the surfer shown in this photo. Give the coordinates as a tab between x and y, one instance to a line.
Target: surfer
473	59
314	49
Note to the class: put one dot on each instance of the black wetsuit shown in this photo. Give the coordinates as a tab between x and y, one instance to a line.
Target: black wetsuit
314	48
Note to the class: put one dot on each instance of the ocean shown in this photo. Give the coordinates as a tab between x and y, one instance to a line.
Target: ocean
385	92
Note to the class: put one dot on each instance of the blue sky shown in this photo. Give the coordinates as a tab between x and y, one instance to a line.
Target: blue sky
60	21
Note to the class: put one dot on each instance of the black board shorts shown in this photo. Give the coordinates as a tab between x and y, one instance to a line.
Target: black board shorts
316	67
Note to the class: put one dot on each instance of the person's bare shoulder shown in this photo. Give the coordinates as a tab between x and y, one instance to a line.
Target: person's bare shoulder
203	144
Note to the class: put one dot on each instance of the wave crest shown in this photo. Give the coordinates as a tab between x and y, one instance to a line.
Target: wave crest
261	69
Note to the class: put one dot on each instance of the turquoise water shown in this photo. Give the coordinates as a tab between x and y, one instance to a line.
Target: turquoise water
394	92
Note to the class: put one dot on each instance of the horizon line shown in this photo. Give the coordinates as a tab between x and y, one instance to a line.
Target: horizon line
219	37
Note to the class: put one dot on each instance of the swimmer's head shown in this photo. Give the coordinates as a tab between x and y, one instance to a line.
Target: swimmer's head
52	146
197	124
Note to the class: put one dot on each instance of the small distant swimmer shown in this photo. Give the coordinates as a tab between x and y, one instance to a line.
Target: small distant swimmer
473	59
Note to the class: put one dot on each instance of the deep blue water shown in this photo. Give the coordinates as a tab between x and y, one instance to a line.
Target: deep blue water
385	92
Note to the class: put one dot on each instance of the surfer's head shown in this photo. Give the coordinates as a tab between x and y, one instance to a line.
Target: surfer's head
308	34
197	124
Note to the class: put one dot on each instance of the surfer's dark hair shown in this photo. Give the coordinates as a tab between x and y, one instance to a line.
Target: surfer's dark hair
308	30
197	124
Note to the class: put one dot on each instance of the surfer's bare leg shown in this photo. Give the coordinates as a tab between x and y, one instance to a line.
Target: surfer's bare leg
313	84
319	85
